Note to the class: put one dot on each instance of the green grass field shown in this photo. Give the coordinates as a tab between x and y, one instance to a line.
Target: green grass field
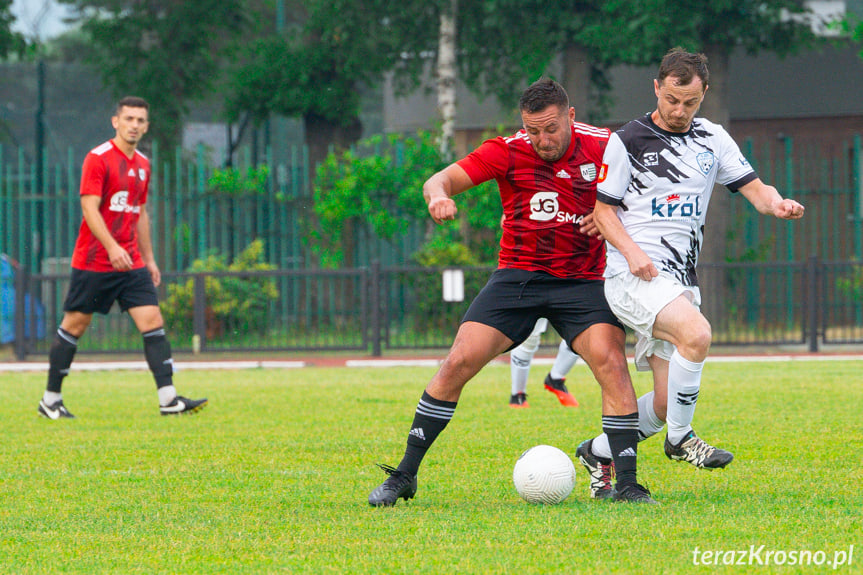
273	476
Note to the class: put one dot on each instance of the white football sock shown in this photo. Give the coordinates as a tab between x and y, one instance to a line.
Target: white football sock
563	362
51	397
519	367
167	394
684	379
648	425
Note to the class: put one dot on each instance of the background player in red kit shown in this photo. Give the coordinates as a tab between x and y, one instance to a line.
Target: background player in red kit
113	261
548	267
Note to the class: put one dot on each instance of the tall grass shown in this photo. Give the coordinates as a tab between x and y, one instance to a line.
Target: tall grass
273	476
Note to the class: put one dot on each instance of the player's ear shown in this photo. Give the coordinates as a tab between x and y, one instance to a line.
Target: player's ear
115	121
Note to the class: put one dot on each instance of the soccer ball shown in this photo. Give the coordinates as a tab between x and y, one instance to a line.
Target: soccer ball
544	474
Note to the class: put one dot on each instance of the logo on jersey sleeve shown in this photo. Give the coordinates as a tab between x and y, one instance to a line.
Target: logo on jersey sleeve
603	172
120	203
650	159
588	172
705	161
543	206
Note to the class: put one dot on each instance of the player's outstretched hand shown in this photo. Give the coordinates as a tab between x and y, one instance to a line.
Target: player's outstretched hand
788	210
442	209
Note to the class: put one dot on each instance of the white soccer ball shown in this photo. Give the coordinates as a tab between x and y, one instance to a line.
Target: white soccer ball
544	474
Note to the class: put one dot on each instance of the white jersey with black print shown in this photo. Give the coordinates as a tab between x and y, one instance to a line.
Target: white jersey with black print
661	183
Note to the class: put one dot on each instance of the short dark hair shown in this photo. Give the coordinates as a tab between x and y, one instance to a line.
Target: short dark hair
685	66
541	94
131	102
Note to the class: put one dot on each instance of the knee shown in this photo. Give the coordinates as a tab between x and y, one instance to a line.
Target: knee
699	340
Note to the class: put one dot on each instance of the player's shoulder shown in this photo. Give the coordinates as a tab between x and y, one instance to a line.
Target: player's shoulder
102	149
142	156
637	128
591	132
704	127
520	138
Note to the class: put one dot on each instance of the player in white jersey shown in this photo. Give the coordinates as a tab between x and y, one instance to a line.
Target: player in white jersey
519	362
654	189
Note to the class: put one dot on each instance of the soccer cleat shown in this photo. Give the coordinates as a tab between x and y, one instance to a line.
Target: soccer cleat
600	470
634	493
558	388
398	484
518	400
697	452
54	411
183	405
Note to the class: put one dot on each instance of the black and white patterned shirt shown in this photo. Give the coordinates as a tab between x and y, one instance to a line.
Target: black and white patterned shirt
661	183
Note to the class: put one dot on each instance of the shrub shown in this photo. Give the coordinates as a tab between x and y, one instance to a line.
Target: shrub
238	302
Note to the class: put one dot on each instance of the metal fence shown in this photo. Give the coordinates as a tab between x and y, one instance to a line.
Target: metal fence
40	212
375	309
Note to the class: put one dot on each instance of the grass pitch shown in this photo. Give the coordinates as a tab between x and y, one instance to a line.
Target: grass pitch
274	474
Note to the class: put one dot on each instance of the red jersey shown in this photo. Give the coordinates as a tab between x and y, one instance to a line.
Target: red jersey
122	183
543	203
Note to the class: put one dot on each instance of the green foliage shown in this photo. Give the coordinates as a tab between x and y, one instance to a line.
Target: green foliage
236	182
379	182
10	40
239	302
852	284
430	312
169	53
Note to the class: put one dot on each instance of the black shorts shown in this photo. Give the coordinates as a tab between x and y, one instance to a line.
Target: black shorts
513	300
91	292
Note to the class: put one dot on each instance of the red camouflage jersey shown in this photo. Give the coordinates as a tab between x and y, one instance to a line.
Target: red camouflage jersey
122	183
543	203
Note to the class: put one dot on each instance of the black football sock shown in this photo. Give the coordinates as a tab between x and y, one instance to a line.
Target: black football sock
431	417
60	358
157	350
622	432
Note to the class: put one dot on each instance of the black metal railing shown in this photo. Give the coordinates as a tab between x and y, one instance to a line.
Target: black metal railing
374	309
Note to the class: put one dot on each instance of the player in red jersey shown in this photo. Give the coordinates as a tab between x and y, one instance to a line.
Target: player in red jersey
113	261
551	265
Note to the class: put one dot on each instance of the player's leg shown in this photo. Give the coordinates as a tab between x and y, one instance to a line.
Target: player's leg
475	345
497	319
682	324
519	364
556	378
89	292
687	329
602	347
63	350
157	352
138	297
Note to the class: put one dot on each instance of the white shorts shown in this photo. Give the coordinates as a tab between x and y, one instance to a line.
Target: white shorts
636	303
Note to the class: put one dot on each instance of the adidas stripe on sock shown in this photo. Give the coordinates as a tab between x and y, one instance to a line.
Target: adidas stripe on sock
431	417
622	432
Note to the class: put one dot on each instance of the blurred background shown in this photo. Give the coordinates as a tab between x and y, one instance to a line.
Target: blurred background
294	136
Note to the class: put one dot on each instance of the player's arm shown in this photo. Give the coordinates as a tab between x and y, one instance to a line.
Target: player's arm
766	200
439	189
120	258
145	246
611	228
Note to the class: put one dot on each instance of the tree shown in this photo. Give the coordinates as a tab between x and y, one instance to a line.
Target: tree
316	68
10	41
166	51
